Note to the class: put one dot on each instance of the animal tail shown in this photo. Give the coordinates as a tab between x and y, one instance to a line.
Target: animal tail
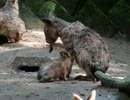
93	69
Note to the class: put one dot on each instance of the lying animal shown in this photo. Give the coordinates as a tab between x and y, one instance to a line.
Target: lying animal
88	47
59	68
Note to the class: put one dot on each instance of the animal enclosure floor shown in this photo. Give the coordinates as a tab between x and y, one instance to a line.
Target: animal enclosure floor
25	86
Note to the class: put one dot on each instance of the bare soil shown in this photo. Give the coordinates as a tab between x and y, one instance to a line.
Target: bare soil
21	85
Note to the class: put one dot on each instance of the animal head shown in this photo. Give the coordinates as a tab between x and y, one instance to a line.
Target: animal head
11	1
52	29
12	5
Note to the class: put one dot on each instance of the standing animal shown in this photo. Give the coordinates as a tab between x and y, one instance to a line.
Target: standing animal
88	47
11	25
59	68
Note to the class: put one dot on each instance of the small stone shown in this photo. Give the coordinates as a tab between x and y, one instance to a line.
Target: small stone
47	87
82	94
73	82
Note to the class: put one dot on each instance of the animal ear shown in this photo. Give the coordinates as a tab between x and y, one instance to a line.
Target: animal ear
76	97
92	95
47	21
50	20
51	16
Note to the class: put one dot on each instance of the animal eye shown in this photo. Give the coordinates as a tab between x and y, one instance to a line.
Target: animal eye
46	30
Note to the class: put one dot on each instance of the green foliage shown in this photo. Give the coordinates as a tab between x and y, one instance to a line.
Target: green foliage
123	97
2	3
69	5
47	7
62	12
53	6
30	19
127	1
93	17
35	5
108	17
120	15
104	5
72	6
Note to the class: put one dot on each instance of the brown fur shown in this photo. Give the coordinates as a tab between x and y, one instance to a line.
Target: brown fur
87	46
91	97
59	68
11	25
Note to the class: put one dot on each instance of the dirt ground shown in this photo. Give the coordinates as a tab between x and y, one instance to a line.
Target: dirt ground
21	85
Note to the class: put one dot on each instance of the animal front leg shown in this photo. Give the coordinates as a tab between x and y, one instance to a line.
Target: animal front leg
64	77
68	73
18	37
64	74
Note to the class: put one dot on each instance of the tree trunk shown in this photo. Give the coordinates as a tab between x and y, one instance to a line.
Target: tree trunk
121	84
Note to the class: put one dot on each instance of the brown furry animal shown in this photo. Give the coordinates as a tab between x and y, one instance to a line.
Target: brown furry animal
87	46
59	68
11	25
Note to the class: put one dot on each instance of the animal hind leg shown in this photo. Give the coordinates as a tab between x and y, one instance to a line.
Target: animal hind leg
89	76
68	74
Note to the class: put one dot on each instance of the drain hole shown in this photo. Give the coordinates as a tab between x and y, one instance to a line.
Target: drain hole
3	39
29	68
